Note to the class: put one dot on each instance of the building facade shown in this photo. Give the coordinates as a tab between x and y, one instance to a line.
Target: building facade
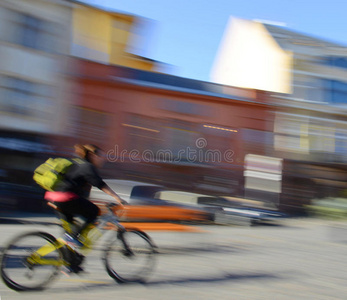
181	133
69	77
309	73
274	58
37	38
33	45
110	37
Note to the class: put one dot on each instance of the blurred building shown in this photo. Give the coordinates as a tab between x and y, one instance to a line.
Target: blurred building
110	37
262	56
37	101
249	57
34	42
169	130
34	39
310	75
70	74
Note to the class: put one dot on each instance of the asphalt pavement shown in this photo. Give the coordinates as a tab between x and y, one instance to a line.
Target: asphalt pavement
296	259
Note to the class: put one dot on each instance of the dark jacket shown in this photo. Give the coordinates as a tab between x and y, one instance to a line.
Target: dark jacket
80	177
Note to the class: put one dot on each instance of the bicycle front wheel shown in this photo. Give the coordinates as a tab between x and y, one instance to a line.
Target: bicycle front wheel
130	257
31	261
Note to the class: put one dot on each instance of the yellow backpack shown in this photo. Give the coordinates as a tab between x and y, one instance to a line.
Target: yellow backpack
51	172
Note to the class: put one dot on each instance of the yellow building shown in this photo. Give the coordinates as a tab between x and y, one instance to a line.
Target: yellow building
249	57
105	36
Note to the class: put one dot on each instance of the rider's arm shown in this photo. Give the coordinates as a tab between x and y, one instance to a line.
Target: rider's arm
93	178
106	189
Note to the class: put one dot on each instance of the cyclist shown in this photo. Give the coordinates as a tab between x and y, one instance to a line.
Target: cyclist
71	195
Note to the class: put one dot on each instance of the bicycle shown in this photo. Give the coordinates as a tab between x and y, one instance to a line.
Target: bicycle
32	260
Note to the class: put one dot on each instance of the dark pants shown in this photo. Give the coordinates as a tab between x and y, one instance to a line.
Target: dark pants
79	207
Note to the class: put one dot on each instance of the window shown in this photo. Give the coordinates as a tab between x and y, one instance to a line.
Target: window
221	143
18	96
31	31
30	34
89	125
257	141
25	98
335	91
142	133
341	143
181	139
335	61
184	107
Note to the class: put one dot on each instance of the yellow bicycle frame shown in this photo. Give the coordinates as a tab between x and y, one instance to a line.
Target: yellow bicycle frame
89	236
37	258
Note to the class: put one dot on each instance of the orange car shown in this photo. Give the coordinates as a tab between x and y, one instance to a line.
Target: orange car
144	206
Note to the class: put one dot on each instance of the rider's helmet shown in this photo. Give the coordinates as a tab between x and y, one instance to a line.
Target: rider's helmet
84	151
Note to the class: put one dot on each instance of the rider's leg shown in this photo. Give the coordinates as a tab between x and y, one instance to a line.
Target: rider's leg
84	208
89	212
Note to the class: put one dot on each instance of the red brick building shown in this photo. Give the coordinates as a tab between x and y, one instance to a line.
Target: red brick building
170	130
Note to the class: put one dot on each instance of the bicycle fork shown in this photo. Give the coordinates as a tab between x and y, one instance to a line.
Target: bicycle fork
127	251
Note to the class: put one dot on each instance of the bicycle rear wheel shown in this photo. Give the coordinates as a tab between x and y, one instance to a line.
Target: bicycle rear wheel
31	261
130	262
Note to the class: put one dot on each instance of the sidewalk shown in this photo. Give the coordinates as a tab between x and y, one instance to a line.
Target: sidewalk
13	217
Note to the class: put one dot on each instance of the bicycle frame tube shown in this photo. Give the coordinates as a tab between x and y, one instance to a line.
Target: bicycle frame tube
49	247
109	218
37	256
37	260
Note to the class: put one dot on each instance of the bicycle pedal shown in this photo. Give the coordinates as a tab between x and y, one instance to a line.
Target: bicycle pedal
68	270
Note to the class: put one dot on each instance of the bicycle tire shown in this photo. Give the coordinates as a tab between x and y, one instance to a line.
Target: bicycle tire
126	268
19	272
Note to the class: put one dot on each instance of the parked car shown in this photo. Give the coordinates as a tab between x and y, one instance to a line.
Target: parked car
156	202
146	206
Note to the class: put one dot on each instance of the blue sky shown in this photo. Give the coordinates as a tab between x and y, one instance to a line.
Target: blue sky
185	34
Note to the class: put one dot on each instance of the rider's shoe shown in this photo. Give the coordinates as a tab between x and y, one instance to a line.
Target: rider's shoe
74	260
73	269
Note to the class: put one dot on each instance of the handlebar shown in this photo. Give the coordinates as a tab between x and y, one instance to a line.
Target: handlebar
111	205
